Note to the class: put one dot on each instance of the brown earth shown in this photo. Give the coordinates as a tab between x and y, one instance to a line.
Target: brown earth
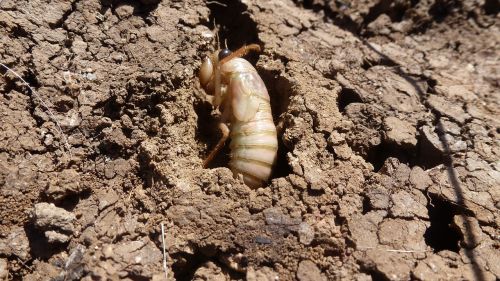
389	162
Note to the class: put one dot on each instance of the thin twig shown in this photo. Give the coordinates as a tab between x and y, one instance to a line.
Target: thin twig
164	251
45	105
408	251
394	250
24	264
216	3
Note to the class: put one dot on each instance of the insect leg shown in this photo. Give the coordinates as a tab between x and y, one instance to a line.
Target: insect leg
241	52
225	134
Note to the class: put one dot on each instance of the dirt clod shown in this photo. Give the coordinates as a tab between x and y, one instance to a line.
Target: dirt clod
56	222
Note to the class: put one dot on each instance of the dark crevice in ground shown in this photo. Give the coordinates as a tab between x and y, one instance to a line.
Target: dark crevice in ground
346	97
39	246
279	89
377	155
442	8
65	16
441	235
235	26
491	7
394	9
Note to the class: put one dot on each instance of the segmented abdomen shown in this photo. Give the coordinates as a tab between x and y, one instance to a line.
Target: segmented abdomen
254	146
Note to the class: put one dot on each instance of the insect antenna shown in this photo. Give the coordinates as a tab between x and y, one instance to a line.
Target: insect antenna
217	36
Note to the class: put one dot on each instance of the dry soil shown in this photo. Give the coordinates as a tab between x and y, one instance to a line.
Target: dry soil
389	157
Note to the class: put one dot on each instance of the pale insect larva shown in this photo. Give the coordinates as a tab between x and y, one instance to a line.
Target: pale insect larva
238	91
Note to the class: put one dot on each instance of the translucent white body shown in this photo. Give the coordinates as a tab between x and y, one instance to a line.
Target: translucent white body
245	101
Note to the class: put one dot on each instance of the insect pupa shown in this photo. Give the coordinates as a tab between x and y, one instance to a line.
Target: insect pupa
237	90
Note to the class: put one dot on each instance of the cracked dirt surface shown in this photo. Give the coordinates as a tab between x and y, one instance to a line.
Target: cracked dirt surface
389	157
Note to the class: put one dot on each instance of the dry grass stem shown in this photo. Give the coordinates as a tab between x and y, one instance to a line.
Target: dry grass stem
45	105
164	251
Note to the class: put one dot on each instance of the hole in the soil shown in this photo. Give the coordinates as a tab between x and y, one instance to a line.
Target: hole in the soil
441	235
377	276
377	155
429	155
315	192
346	97
69	203
17	32
309	4
112	109
185	265
32	79
442	8
394	9
423	154
376	10
235	25
491	7
366	205
111	149
39	246
64	104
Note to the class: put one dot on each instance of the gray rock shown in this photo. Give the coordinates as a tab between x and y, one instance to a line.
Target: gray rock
56	222
56	237
474	164
107	199
49	217
403	234
73	268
